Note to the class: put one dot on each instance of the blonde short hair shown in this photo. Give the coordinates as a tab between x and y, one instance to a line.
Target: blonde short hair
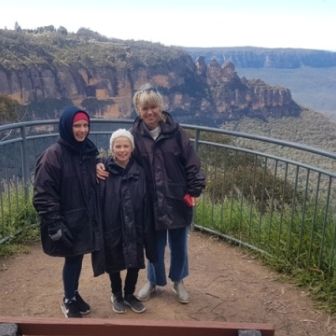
147	95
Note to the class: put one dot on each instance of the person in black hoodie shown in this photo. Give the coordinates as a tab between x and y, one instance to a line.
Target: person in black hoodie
66	199
126	221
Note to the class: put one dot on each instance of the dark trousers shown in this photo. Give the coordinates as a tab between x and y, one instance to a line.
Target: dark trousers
130	282
71	272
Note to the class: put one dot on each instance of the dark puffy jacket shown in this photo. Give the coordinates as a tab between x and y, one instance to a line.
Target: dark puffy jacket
126	219
66	194
172	170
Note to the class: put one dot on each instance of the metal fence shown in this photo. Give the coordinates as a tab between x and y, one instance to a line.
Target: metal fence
273	196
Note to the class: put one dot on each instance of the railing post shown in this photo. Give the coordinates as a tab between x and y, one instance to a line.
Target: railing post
24	161
197	138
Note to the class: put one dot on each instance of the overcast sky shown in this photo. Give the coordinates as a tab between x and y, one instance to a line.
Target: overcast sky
193	23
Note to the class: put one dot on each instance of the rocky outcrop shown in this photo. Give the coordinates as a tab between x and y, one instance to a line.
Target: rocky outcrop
194	91
234	97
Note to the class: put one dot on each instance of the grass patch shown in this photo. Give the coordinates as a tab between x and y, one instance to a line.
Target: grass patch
303	251
21	241
18	219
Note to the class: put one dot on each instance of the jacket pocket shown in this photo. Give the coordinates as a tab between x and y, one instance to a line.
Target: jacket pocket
76	220
177	211
50	247
175	190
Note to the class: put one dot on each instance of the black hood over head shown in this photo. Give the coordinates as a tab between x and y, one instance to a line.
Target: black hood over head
66	133
65	124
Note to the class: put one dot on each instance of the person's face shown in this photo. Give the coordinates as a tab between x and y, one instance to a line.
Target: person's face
151	115
122	150
80	130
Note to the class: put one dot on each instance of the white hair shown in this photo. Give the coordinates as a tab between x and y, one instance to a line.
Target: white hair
122	132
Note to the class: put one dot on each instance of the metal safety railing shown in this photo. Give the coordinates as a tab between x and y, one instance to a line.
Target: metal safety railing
274	196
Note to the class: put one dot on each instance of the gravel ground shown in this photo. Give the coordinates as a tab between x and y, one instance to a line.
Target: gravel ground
225	284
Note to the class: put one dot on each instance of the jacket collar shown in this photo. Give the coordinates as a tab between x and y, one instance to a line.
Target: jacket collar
113	168
88	148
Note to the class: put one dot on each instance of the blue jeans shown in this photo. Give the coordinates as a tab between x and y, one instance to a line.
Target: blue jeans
178	244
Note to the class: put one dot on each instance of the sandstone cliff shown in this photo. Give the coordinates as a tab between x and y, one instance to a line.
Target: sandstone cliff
46	70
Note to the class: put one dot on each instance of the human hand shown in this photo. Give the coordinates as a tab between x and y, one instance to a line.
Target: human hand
189	200
101	173
61	234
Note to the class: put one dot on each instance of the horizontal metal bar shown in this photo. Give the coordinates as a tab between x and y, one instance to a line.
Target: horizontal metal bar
56	121
193	127
28	124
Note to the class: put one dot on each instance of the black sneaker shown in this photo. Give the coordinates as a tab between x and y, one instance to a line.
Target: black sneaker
118	305
70	308
136	305
83	306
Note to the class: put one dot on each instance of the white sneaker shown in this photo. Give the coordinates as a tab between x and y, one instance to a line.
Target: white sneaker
146	291
181	293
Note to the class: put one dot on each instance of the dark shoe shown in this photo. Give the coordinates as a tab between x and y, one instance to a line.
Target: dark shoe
135	305
83	306
118	304
182	295
146	291
70	308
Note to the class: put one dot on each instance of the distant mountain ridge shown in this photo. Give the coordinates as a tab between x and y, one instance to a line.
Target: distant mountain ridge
309	74
253	57
47	68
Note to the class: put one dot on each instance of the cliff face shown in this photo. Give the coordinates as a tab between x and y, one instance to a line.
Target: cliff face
194	91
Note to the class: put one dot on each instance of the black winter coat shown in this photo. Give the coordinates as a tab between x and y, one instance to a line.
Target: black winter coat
66	193
126	219
172	170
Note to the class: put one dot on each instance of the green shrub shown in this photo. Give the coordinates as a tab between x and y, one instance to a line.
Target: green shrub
16	212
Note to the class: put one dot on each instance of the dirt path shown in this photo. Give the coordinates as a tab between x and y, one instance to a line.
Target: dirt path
225	284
